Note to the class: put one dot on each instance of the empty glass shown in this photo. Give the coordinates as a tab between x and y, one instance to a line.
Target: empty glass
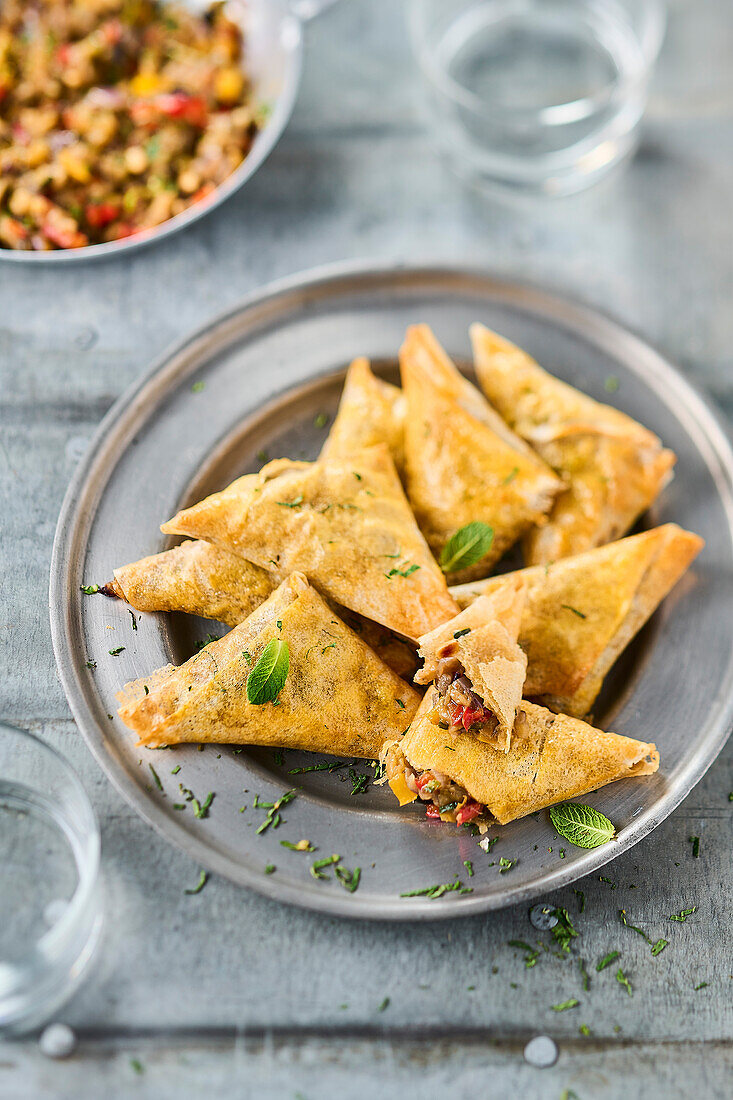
50	906
537	96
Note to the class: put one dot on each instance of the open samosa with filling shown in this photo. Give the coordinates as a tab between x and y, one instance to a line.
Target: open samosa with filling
613	468
346	524
197	578
371	411
292	675
476	667
552	757
581	612
459	468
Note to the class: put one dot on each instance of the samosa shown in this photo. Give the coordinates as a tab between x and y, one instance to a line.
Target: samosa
581	612
292	675
371	411
345	524
476	666
552	757
459	469
613	468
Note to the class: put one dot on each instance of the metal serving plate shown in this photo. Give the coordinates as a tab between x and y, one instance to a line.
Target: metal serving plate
256	379
273	58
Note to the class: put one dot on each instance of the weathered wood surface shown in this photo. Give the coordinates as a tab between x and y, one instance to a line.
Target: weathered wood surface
226	993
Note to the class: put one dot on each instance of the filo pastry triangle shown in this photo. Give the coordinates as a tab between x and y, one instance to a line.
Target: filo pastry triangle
337	696
552	757
612	466
200	579
476	667
371	411
346	525
581	612
461	465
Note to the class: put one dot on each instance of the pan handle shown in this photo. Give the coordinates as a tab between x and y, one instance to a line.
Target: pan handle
305	10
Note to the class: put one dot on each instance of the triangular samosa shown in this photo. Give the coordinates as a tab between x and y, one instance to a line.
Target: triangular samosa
371	411
581	612
337	696
612	466
197	578
346	525
552	757
458	469
476	666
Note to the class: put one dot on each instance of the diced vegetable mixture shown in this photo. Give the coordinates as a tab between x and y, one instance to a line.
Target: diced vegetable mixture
115	115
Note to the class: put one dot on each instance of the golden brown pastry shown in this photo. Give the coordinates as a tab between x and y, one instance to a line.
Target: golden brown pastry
581	612
459	468
346	525
371	411
337	696
613	467
476	666
197	578
552	757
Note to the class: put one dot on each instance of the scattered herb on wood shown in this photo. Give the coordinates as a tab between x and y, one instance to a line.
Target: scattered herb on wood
633	927
564	931
203	879
349	879
469	867
607	960
531	954
683	914
90	589
116	652
506	864
438	890
584	975
198	387
273	810
156	777
624	981
572	1002
384	1005
318	865
659	946
695	842
581	900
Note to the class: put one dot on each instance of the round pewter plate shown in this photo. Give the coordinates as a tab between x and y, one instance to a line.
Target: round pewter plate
263	379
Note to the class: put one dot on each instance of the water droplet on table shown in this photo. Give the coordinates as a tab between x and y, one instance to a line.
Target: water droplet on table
541	1052
57	1041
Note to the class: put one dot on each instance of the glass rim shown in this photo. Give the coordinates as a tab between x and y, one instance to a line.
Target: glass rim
62	938
650	40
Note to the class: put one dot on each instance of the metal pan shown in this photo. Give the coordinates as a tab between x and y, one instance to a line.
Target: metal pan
257	379
273	31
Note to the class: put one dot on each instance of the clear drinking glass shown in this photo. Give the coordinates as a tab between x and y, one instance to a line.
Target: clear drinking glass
536	96
50	899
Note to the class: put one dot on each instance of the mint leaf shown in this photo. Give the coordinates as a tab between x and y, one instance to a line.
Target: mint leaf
467	547
582	825
267	678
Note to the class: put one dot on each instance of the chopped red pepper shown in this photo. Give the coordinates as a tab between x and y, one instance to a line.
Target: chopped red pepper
99	214
432	811
423	779
468	811
63	237
467	716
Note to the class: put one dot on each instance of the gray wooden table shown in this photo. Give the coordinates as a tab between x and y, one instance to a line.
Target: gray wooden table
223	993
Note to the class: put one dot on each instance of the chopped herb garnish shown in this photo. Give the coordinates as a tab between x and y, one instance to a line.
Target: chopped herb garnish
582	825
437	891
659	946
91	664
400	704
510	476
331	646
572	1002
531	953
624	981
607	960
323	767
702	985
291	503
402	572
633	927
585	976
198	387
269	868
90	589
349	879
321	420
461	633
301	846
318	865
116	652
267	679
581	900
384	1005
611	384
179	805
683	914
467	547
206	641
273	815
610	882
580	614
584	1029
203	809
277	758
506	864
469	867
564	931
204	878
156	777
695	842
132	616
359	782
137	1066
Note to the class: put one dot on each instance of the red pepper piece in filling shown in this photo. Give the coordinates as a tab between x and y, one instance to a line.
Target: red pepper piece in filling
468	811
432	811
99	214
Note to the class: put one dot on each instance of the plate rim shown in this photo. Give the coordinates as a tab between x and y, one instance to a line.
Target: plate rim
104	450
